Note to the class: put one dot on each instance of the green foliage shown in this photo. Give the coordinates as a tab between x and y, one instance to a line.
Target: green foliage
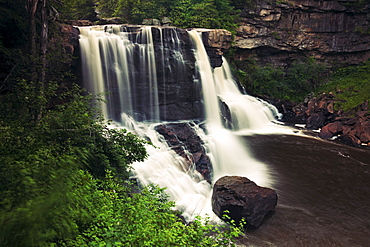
76	9
305	76
351	85
204	14
183	13
146	219
13	36
46	164
133	11
241	4
301	78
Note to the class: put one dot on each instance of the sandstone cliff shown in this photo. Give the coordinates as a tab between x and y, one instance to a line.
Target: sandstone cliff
279	32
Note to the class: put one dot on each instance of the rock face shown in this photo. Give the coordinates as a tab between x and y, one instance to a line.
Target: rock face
243	199
182	138
176	75
279	32
215	41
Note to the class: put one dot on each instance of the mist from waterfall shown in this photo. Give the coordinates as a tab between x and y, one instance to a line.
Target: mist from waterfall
113	61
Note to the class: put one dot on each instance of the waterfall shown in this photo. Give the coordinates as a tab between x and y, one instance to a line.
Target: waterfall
228	152
139	67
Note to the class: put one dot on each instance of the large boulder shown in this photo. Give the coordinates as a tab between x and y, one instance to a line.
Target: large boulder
242	198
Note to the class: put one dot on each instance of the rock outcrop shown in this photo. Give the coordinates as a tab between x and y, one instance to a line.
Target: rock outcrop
181	137
242	198
351	130
279	32
318	113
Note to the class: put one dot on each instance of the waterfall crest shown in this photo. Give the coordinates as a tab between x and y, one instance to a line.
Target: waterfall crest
138	72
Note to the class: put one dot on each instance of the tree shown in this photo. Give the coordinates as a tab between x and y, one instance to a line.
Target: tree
76	9
49	170
204	14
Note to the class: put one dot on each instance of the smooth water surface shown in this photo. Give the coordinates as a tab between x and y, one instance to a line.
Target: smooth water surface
323	193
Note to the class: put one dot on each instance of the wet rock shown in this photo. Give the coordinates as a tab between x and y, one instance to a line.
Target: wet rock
350	138
154	22
353	130
315	121
166	21
243	199
331	129
182	138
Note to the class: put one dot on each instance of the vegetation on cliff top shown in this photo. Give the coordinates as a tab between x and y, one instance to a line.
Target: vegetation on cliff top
183	13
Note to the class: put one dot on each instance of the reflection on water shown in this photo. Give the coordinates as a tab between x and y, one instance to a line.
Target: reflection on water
323	189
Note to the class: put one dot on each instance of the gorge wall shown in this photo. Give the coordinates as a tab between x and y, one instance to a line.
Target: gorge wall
279	32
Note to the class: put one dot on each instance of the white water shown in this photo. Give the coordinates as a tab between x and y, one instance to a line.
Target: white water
227	150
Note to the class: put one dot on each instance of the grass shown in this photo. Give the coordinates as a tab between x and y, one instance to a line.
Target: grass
350	85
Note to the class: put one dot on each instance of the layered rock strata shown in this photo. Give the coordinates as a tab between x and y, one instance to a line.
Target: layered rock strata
279	32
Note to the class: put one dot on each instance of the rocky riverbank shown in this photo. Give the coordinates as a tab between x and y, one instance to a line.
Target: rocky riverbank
319	113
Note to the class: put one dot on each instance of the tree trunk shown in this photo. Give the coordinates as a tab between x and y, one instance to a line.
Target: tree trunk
38	53
31	6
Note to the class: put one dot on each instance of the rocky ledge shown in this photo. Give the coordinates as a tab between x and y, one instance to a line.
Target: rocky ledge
318	113
279	32
216	41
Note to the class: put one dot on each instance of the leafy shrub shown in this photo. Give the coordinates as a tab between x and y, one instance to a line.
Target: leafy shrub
46	164
293	83
350	85
145	219
183	13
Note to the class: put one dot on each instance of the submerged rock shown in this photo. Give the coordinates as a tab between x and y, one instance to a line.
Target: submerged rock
242	198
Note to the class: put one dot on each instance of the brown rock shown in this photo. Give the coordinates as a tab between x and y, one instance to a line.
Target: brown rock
330	130
363	131
365	106
243	199
315	121
362	114
330	107
350	139
182	138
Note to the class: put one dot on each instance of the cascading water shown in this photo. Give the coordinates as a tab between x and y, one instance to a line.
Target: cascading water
123	63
